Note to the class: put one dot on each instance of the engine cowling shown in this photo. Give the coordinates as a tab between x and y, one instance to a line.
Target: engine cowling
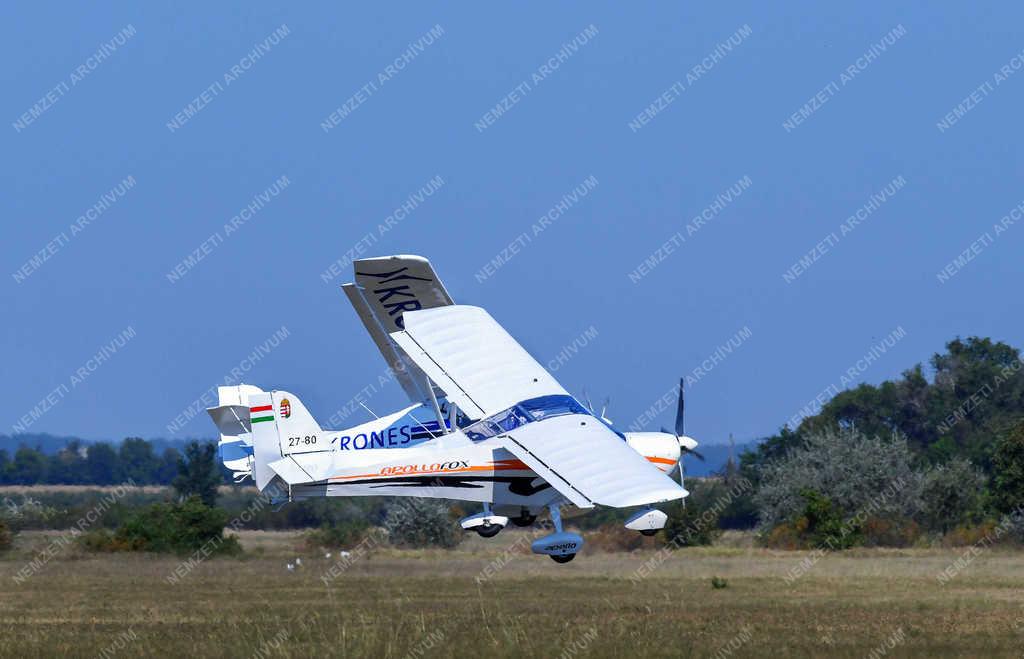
660	448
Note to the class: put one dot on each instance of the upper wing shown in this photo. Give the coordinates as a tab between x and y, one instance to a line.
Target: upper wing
385	289
479	366
394	285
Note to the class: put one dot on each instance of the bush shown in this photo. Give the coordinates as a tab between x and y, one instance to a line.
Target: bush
418	523
951	495
858	475
1008	471
341	535
696	522
28	513
616	537
969	534
827	526
821	525
179	528
6	535
787	535
890	532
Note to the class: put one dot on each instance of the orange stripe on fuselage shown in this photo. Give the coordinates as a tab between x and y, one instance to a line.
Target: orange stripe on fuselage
498	465
501	465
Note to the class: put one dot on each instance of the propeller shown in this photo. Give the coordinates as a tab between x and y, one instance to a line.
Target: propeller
686	444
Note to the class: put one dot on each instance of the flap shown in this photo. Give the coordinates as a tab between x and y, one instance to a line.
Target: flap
589	464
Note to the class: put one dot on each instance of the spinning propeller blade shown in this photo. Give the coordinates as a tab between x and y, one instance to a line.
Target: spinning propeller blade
680	410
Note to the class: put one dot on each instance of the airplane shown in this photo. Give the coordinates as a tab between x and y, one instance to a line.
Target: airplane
487	424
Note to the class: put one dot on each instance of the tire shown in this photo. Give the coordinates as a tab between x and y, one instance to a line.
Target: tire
526	520
488	530
650	532
562	559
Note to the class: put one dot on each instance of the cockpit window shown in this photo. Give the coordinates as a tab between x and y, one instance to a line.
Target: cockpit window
548	406
528	411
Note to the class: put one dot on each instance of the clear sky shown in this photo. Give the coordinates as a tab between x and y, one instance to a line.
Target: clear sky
664	107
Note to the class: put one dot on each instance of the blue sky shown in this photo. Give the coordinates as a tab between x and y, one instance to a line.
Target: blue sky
726	114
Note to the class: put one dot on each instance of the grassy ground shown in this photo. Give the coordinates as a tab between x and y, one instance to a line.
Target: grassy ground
491	598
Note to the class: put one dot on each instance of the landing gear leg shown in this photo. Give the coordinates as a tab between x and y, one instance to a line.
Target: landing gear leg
486	524
556	517
558	545
488	530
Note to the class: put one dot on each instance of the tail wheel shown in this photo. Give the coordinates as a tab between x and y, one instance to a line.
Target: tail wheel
563	559
488	530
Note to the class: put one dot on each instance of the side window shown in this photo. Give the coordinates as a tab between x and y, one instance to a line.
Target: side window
510	419
481	430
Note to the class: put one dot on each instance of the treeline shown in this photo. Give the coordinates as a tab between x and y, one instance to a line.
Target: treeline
80	463
972	394
938	452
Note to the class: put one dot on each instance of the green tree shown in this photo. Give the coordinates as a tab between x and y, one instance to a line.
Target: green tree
67	466
852	471
198	472
102	466
5	467
974	395
138	463
167	468
28	467
1008	463
951	495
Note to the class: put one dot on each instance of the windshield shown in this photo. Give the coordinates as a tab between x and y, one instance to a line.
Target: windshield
528	411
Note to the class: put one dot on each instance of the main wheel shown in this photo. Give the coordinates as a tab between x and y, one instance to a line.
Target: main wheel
562	559
649	532
524	520
488	530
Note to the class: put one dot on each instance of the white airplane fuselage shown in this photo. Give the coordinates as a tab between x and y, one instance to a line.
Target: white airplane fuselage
400	455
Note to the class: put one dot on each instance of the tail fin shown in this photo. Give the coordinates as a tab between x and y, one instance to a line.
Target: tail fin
282	426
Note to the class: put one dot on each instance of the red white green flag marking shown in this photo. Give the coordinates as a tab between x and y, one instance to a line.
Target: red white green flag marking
254	416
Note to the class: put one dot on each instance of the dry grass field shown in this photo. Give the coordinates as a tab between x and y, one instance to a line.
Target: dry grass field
490	598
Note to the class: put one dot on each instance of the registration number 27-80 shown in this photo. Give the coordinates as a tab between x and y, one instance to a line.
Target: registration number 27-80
308	440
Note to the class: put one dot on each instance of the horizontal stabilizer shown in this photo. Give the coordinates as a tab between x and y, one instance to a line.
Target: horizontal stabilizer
290	471
231	420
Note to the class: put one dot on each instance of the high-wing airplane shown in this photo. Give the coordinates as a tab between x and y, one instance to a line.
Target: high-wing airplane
487	424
